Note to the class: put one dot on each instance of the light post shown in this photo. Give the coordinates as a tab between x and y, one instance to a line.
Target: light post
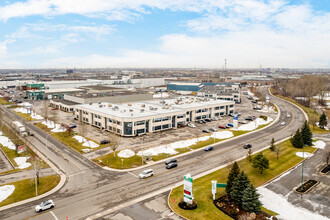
35	178
214	137
122	163
302	169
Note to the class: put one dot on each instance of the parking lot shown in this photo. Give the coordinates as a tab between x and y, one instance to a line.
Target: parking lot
162	137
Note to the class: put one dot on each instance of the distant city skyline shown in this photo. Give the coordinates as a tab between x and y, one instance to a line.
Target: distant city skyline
164	34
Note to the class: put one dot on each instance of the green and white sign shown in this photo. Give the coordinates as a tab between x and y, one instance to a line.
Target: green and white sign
188	189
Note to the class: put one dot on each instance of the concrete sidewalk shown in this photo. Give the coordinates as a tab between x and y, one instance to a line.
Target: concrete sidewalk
24	174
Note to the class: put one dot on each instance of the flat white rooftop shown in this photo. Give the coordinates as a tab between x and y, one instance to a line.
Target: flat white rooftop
151	108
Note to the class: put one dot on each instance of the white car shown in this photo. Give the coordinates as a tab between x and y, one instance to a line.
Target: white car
191	125
288	115
45	205
283	123
146	174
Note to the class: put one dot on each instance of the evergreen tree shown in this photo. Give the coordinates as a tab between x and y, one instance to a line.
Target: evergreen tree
306	134
261	162
272	145
323	121
297	140
240	183
231	177
250	200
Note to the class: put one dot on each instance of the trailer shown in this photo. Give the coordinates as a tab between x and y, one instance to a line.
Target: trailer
20	128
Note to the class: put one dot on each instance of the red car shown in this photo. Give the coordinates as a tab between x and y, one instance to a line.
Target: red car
222	127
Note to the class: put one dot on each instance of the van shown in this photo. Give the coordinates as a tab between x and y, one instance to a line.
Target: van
146	174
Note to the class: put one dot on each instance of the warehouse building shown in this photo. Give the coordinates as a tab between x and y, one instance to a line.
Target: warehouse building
216	92
137	118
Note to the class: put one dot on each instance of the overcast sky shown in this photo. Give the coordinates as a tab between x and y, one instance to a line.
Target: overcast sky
164	33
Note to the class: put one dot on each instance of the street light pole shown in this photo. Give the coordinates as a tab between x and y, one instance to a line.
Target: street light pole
214	137
302	169
35	177
122	163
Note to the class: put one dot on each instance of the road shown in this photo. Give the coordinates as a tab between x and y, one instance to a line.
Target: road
90	189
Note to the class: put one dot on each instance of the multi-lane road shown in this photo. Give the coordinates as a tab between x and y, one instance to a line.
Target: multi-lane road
90	190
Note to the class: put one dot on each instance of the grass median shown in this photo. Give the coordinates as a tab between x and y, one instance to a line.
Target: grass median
25	189
4	101
202	186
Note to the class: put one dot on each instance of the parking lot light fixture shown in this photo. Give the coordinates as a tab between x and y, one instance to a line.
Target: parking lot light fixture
122	163
214	137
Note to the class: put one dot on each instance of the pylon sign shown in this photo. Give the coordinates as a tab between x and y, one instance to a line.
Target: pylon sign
215	185
188	189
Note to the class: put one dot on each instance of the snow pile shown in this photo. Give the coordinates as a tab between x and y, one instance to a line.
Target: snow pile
90	144
250	93
6	142
86	150
25	104
306	154
0	132
21	162
126	153
79	138
170	148
58	128
6	191
159	95
22	110
223	134
267	109
286	210
49	124
254	124
325	127
36	116
319	144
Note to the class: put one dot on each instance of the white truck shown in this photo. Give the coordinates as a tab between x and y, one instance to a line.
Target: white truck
20	128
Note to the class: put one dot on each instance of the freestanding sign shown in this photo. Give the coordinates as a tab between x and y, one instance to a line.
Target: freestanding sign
21	149
214	188
235	121
188	189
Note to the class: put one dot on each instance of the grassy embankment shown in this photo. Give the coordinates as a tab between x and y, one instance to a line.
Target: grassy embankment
25	189
67	139
202	186
4	101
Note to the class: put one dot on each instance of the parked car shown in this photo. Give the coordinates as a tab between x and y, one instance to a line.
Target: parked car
206	131
208	119
222	127
253	101
212	129
242	122
247	146
283	123
171	165
208	148
54	108
104	142
146	173
249	97
191	125
172	160
45	205
288	115
73	126
214	119
229	125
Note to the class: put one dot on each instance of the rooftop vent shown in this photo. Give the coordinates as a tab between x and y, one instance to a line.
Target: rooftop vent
142	110
129	104
131	110
110	105
99	103
90	103
100	106
143	105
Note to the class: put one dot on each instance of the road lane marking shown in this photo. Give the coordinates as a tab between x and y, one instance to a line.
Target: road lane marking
53	215
75	174
132	174
68	159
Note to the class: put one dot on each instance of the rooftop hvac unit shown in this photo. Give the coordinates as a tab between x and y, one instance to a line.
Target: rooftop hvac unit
90	103
94	95
99	103
155	109
110	105
129	104
142	110
100	106
131	110
143	105
150	107
165	107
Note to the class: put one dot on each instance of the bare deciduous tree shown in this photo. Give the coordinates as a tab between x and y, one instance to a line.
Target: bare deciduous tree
326	156
82	128
114	142
45	110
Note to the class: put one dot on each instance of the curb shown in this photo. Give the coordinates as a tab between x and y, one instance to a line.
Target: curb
7	158
196	150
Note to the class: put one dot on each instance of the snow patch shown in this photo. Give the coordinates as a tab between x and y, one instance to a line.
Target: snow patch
79	138
21	162
0	132
49	124
223	134
126	153
159	95
86	150
6	191
254	124
6	142
306	154
286	210
90	144
36	116
319	144
58	128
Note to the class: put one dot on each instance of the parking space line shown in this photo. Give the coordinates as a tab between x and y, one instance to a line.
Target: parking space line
53	215
132	174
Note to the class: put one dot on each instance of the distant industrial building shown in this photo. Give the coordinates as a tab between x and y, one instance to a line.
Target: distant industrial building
63	105
220	93
52	93
137	118
184	87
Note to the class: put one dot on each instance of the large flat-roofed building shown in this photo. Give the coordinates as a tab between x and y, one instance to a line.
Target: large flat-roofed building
184	87
63	105
218	92
52	93
136	118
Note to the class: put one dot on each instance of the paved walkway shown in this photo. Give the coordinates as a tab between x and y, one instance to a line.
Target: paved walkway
318	199
26	174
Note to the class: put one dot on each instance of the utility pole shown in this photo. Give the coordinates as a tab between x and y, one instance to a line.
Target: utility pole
35	177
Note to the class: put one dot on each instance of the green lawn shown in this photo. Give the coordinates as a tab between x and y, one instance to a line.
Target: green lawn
164	156
68	139
115	162
4	101
25	116
25	189
202	186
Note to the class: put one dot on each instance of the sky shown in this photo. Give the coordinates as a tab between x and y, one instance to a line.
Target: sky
164	33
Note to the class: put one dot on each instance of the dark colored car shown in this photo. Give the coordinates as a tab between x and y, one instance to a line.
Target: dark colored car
206	130
249	118
229	125
212	129
170	161
222	127
253	101
73	126
247	146
171	165
208	119
208	148
104	142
